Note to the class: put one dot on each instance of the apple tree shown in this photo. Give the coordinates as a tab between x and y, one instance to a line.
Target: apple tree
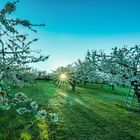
15	47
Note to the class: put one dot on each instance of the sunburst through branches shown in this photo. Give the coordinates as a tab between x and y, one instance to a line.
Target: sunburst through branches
62	77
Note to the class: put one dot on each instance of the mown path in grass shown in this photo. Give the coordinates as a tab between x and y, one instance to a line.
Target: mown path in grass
86	114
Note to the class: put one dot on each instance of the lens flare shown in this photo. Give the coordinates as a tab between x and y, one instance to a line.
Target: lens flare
63	76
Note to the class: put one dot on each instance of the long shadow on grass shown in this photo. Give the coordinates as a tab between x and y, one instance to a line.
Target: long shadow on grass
83	122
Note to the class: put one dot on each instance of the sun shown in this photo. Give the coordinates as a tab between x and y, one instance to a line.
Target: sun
63	76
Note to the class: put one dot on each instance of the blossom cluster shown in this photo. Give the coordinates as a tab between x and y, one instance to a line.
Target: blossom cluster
4	102
54	117
19	98
25	105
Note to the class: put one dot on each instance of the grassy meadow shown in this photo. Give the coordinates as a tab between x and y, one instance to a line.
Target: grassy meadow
89	113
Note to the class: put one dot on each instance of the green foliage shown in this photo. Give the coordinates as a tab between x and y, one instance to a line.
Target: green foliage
43	129
25	136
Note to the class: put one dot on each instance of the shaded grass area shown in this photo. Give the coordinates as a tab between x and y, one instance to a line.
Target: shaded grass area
89	113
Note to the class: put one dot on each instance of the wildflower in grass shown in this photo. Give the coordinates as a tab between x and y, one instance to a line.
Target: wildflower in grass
54	117
4	103
23	105
3	94
41	114
14	101
22	110
34	105
5	107
20	97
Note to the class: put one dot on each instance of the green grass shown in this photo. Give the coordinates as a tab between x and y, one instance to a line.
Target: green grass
89	113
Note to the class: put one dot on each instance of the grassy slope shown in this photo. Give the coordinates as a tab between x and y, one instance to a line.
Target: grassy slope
90	113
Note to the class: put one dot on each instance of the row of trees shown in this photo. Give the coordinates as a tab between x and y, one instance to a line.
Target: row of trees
120	67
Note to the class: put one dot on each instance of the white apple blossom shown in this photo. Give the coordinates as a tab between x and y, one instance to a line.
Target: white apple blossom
53	117
41	114
34	105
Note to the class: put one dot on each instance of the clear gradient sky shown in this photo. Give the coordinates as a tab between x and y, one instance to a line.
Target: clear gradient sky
75	26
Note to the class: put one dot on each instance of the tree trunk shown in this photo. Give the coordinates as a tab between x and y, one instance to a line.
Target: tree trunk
73	84
123	86
102	85
136	86
85	83
73	87
1	88
138	97
113	87
139	102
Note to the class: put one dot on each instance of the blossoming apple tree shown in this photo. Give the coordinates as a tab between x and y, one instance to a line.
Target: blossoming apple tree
73	74
15	50
15	54
122	66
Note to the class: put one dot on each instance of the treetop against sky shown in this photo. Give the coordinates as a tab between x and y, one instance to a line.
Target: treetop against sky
74	26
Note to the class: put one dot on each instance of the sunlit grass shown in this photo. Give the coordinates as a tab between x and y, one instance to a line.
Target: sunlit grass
86	114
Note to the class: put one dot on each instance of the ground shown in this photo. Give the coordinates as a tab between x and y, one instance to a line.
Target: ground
89	113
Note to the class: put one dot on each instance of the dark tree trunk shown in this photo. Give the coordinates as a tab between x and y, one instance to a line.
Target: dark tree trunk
73	84
102	85
138	96
113	87
1	88
73	87
123	86
139	102
85	83
136	86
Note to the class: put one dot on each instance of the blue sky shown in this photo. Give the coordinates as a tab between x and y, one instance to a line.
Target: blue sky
75	26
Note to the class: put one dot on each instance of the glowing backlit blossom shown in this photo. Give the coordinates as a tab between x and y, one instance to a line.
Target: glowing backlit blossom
21	97
4	103
54	117
22	110
23	105
34	105
41	114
